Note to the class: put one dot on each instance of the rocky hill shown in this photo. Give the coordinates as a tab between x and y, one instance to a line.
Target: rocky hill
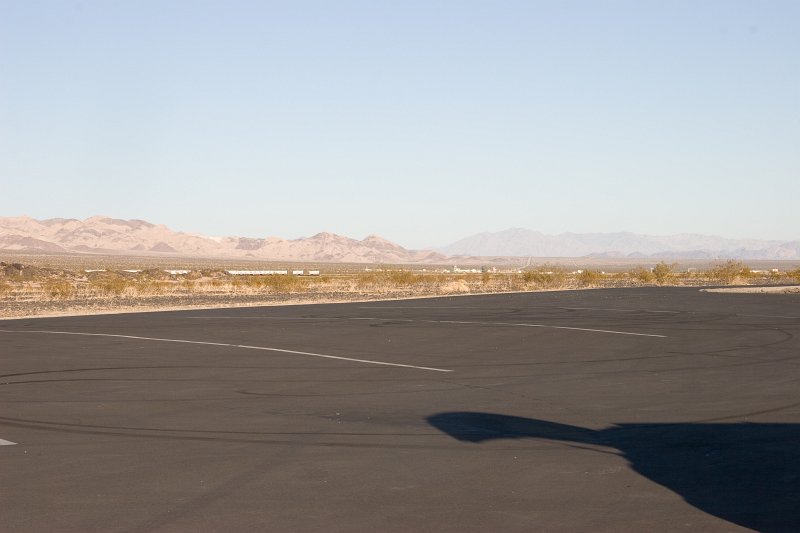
104	235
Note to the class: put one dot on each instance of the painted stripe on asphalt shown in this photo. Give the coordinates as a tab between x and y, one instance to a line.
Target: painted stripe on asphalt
456	322
243	346
617	309
545	326
4	442
620	310
771	316
419	307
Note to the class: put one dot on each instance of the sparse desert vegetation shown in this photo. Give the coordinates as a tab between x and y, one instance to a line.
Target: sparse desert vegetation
662	272
590	278
546	277
42	288
731	273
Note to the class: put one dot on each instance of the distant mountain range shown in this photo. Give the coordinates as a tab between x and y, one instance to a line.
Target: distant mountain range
104	235
527	243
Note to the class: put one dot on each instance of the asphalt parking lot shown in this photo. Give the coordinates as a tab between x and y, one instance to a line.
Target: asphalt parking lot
653	409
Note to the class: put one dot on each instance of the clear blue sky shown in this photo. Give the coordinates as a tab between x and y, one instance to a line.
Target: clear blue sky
422	122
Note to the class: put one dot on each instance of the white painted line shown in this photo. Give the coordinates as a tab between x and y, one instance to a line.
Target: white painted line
317	318
261	318
417	307
4	442
593	330
619	310
615	309
771	316
376	318
243	346
545	326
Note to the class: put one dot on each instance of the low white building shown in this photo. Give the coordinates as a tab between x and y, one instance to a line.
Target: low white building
256	272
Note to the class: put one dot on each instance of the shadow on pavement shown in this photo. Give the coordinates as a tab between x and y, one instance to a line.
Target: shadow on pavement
745	473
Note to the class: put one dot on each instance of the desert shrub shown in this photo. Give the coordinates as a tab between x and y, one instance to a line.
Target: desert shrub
393	278
367	279
266	283
110	285
546	276
730	272
453	286
589	277
251	282
5	288
794	274
154	274
151	287
58	289
404	277
662	272
12	270
319	280
285	284
642	275
25	272
775	277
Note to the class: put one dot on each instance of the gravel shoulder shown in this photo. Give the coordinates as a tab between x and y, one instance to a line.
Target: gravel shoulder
791	289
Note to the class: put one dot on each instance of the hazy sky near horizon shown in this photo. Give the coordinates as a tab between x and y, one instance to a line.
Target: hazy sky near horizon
421	121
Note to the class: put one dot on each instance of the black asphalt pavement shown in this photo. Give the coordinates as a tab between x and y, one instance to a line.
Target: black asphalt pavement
655	409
